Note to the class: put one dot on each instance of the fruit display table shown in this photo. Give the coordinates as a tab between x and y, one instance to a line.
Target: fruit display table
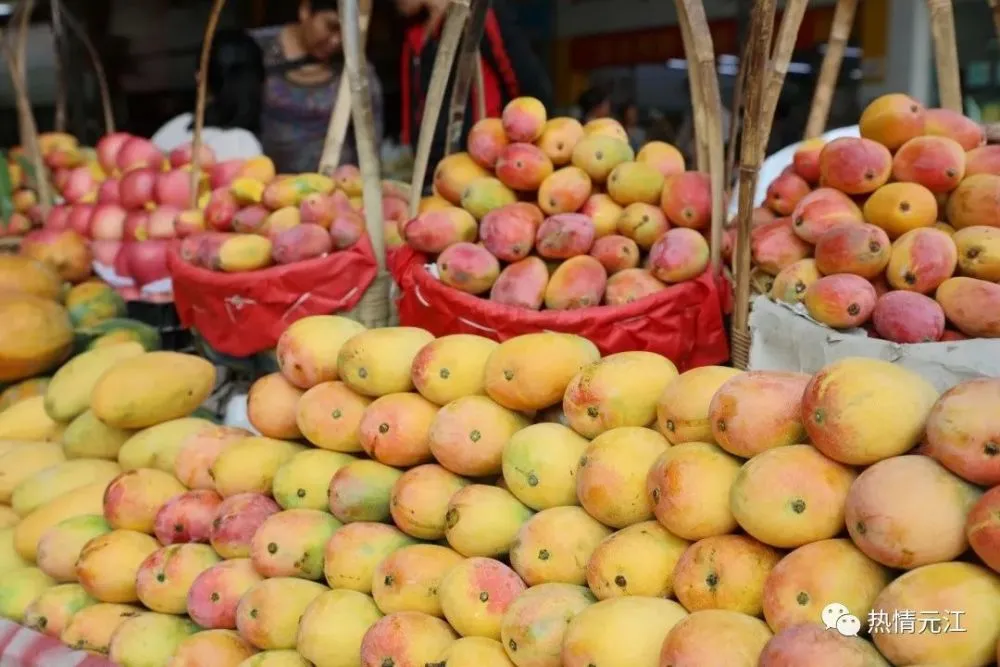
21	647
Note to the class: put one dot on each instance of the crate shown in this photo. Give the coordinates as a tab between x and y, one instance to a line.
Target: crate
163	317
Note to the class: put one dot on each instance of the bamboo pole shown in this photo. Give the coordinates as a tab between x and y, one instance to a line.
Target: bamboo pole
59	44
18	59
781	55
694	73
451	34
468	71
946	54
751	157
829	73
103	88
734	125
202	97
707	104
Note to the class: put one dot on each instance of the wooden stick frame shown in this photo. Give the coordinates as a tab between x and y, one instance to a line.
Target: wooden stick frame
946	54
829	73
104	90
777	66
59	49
202	98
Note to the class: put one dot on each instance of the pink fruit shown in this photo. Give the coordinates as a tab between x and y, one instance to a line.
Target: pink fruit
160	224
908	317
187	517
109	192
138	153
841	301
220	211
346	229
523	167
58	217
108	148
237	520
181	156
79	184
565	235
983	529
680	254
137	188
107	223
508	232
173	188
223	173
250	220
522	284
616	253
216	592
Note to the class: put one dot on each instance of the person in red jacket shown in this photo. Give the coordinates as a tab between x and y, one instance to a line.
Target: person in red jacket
510	68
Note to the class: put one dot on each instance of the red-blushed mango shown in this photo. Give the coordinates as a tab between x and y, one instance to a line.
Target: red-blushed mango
579	282
635	182
892	120
822	210
291	543
565	235
792	281
715	637
508	233
683	407
522	284
983	160
307	350
351	612
467	436
855	166
921	260
862	250
680	254
908	317
597	634
476	593
540	465
91	628
50	612
805	162
484	195
187	517
60	546
451	367
329	416
354	551
815	575
963	433
598	155
486	141
661	155
947	123
524	119
534	625
604	212
611	480
790	496
840	301
976	201
838	405
433	203
687	199
636	561
237	520
688	488
554	546
643	223
936	163
419	500
903	531
268	614
565	191
165	577
408	578
108	564
940	590
900	207
812	644
982	528
224	648
483	520
605	127
433	231
454	173
631	285
215	593
616	253
301	243
523	167
360	491
607	395
971	305
775	245
531	372
394	429
199	451
406	638
283	658
558	139
272	405
724	572
132	499
757	411
978	252
785	192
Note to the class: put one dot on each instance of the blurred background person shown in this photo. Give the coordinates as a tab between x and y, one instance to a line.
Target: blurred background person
595	102
632	125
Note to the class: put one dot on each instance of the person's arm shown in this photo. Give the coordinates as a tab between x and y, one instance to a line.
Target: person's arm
532	77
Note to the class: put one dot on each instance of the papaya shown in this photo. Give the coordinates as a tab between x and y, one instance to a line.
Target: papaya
118	330
93	302
68	393
37	334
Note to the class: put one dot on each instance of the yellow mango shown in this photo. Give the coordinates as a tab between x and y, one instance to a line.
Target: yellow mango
9	558
246	191
23	462
251	464
28	420
68	393
48	484
244	252
158	446
84	500
87	437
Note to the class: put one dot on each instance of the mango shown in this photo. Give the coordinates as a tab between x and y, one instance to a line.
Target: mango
361	490
224	648
615	253
91	628
19	588
198	452
855	166
773	246
159	446
454	173
604	211
921	260
408	579
476	593
521	284
303	481
9	558
149	639
451	367
22	390
554	546
534	625
812	644
635	182
132	499
597	633
258	253
820	211
892	120
983	529
715	636
785	192
862	250
468	267
419	500
84	500
683	407
688	488
354	552
840	301
636	561
307	350
378	361
979	252
598	155
487	140
272	406
566	190
406	638
215	593
579	282
508	233
918	531
643	223
50	613
805	162
484	520
249	466
23	463
152	388
947	123
679	255
329	416
238	518
187	517
352	613
900	207
470	651
748	417
908	317
108	564
68	393
433	231
532	372
522	166
976	201
27	420
630	285
961	436
60	546
605	127
268	613
468	435
724	572
983	160
524	119
540	465
484	195
664	157
816	575
969	304
87	437
300	243
165	577
291	543
558	139
838	400
936	590
687	200
936	163
52	482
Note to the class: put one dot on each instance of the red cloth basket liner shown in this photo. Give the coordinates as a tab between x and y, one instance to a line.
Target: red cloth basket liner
241	314
683	323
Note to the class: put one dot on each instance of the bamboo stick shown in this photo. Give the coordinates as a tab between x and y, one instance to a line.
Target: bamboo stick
698	128
946	54
829	73
58	41
451	34
467	69
103	88
781	55
751	157
19	62
202	97
734	125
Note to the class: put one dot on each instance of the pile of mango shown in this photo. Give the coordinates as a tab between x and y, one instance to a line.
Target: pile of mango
897	231
408	500
550	213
